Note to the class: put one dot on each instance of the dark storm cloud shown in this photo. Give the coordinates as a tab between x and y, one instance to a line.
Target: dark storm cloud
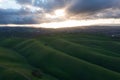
11	16
88	6
17	19
108	13
24	1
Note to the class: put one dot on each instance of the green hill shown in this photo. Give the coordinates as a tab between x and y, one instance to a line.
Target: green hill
60	57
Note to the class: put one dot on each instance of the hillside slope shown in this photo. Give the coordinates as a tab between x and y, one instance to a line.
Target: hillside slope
60	57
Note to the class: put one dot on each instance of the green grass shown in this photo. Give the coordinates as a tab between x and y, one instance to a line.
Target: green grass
60	57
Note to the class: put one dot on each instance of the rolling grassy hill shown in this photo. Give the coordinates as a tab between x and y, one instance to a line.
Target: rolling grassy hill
60	57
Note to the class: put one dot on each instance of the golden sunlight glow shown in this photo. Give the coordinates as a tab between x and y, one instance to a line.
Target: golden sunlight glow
80	23
50	16
60	13
70	23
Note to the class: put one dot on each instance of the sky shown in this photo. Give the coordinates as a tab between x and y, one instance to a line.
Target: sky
58	13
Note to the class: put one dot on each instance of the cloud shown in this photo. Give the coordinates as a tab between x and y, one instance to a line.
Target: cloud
11	16
24	1
74	6
108	13
33	11
94	9
46	4
90	6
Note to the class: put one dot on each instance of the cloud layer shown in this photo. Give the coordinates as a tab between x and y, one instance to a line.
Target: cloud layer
33	11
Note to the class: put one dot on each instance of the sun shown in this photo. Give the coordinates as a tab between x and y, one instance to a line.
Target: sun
59	13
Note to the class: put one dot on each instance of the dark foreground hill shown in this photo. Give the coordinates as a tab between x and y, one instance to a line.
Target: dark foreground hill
60	57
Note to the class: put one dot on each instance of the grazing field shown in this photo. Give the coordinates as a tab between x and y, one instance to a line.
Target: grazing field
60	57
